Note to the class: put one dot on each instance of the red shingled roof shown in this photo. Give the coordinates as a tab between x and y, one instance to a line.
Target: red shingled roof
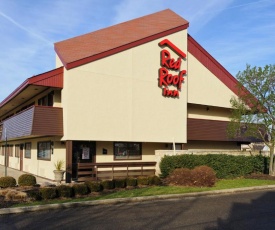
95	45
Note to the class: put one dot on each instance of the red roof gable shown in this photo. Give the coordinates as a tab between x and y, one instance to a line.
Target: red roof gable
95	45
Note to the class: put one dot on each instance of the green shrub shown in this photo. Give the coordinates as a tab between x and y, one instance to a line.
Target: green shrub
142	180
34	194
120	183
80	189
108	184
131	181
48	193
94	186
64	191
154	180
7	181
26	180
225	166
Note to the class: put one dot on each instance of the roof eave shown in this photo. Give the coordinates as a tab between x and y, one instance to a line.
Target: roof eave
32	81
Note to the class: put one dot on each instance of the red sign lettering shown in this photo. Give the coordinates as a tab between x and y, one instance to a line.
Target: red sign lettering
168	62
167	79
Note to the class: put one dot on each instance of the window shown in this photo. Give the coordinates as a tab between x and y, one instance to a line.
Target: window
10	150
17	150
3	150
44	150
46	100
127	151
28	150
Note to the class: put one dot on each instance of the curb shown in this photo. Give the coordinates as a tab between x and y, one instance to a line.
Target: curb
5	211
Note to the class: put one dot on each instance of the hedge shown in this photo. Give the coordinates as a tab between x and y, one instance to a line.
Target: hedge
225	166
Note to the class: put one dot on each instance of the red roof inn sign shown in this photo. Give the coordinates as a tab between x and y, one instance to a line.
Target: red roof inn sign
167	79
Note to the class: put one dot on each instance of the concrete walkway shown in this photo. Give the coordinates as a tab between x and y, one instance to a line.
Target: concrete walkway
16	173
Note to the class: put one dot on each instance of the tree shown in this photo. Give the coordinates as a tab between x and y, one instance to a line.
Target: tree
253	112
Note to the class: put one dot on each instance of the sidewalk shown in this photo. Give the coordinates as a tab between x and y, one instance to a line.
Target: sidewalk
16	173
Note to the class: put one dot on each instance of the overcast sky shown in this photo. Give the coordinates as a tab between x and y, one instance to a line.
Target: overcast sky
234	32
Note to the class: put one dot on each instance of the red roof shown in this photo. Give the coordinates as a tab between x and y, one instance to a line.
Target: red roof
53	78
95	45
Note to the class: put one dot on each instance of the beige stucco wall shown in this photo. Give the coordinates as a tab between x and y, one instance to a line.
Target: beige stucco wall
204	88
208	112
42	168
58	62
117	98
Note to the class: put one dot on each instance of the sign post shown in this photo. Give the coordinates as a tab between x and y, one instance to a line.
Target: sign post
6	146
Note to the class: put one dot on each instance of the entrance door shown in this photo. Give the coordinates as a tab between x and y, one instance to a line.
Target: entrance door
21	156
83	152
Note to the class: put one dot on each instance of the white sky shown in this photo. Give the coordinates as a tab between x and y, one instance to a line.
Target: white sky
234	32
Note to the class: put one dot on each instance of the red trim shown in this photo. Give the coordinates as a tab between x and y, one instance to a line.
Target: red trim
217	69
173	47
53	78
212	64
83	61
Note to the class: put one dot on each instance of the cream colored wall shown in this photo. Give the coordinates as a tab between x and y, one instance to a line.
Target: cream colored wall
205	88
148	152
208	112
214	145
43	168
117	98
58	62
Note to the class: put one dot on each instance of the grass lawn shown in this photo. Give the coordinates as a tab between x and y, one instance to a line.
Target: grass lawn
160	190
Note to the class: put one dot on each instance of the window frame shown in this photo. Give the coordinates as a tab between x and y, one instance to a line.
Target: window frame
28	150
10	150
49	151
128	147
17	150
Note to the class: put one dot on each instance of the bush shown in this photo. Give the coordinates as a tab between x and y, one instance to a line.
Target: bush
108	184
64	191
94	186
201	176
7	181
154	180
120	183
80	189
34	194
142	180
180	176
48	193
26	180
204	176
225	166
131	181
